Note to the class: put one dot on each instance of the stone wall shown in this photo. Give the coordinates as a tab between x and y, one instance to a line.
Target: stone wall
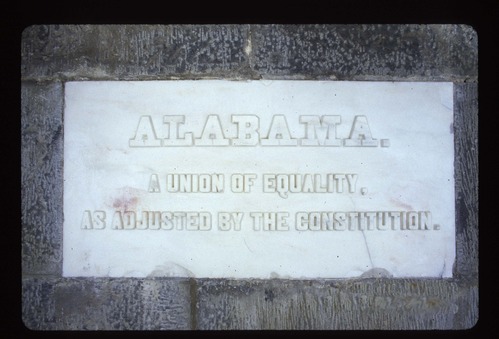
52	55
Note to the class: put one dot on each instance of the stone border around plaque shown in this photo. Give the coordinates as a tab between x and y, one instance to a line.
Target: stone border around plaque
54	56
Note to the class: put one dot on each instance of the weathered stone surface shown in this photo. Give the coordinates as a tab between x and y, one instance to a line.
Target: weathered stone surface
133	51
344	52
365	52
38	303
104	303
41	177
466	169
358	304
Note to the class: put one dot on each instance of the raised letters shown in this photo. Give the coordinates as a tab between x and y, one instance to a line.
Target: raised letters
263	179
319	131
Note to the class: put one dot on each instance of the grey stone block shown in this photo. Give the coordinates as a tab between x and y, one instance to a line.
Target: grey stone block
106	303
365	52
133	51
466	177
42	177
335	305
38	303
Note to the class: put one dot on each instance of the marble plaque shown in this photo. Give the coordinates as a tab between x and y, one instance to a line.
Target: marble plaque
258	179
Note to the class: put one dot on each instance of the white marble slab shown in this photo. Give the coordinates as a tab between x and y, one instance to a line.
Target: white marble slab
384	153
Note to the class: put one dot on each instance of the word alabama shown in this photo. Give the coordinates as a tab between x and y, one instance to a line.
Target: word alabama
319	131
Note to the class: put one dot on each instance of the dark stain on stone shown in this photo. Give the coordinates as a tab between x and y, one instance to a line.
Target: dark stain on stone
269	295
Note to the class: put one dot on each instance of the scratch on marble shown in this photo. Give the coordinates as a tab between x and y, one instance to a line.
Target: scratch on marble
244	239
367	247
443	268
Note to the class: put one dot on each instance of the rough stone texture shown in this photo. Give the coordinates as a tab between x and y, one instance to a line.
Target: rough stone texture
38	303
110	304
54	54
335	304
366	52
127	52
343	52
41	177
466	169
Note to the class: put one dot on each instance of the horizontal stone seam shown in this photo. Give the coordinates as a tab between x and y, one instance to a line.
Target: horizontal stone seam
471	280
180	77
31	275
40	80
63	78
